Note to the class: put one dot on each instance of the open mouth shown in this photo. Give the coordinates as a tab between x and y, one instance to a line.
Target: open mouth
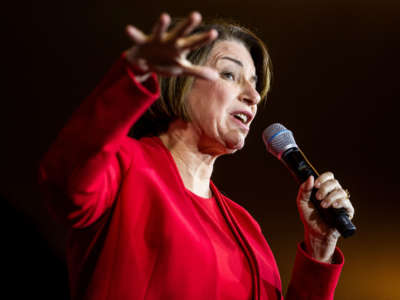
242	118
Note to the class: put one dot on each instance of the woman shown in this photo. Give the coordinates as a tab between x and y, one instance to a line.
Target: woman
146	221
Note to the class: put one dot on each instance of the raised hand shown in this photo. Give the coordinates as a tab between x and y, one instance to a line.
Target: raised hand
165	52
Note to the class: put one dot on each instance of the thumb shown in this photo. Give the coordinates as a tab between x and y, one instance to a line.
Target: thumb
306	189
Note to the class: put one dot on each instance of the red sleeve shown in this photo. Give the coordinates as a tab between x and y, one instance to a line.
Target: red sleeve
82	169
314	280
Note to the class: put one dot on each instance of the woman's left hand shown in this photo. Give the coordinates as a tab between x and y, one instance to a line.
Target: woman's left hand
321	239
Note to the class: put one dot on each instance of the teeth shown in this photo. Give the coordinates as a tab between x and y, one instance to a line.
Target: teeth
242	117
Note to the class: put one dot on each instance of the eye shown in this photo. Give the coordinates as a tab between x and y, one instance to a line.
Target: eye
228	75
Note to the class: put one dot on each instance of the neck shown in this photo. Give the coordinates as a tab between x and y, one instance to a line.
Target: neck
194	159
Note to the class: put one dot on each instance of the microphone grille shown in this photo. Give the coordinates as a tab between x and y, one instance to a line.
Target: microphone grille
277	139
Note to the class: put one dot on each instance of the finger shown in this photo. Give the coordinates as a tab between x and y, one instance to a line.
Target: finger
137	36
161	27
346	204
308	184
186	26
306	189
333	197
197	40
326	187
167	70
349	208
322	178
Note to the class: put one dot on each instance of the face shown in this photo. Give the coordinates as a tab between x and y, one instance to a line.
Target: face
222	110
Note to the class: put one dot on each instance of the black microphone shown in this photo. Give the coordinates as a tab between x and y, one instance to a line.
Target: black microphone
280	143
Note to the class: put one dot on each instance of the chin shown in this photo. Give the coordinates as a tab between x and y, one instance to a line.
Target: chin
233	145
230	142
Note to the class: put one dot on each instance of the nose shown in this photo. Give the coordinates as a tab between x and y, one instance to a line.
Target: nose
249	94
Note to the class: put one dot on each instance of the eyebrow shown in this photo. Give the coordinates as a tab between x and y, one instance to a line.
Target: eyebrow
238	62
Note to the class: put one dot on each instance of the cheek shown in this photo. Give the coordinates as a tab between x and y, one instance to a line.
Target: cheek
209	104
206	98
218	99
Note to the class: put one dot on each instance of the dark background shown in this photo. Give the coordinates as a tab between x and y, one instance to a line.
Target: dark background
336	73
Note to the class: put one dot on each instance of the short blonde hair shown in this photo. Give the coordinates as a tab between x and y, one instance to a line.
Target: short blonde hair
172	104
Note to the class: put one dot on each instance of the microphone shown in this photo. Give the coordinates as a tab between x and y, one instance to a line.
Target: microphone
280	142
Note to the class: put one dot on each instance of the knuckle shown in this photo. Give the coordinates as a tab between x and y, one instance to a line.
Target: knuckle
337	204
328	198
322	190
336	194
328	175
331	182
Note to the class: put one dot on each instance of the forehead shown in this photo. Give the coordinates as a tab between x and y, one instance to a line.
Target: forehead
233	49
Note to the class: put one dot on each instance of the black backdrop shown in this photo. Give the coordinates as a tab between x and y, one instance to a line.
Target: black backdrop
335	85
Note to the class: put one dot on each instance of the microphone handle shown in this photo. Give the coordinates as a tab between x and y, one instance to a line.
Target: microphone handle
301	169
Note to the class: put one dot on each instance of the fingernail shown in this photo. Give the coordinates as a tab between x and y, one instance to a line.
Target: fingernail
324	204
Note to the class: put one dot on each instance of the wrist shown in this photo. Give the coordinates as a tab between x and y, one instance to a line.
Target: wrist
321	248
139	65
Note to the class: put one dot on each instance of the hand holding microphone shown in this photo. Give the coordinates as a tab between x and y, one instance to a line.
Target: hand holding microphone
331	208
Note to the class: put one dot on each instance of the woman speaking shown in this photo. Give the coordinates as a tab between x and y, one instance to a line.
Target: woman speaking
145	220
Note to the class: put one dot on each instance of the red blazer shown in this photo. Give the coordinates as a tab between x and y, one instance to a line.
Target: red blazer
133	230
